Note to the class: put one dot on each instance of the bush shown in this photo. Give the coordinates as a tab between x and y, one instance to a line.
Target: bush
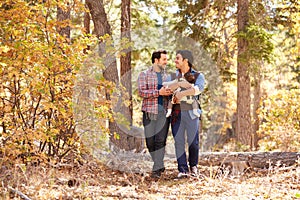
280	128
38	68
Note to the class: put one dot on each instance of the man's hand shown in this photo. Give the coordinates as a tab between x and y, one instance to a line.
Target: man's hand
164	91
175	100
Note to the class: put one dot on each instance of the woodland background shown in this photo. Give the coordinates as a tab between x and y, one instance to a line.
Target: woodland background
68	85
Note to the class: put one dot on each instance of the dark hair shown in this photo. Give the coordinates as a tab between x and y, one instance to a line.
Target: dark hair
190	77
157	54
186	54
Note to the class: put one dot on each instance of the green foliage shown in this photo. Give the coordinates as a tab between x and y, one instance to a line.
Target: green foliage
288	44
37	74
259	43
280	114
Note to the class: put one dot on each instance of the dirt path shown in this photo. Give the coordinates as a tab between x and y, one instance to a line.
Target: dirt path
93	180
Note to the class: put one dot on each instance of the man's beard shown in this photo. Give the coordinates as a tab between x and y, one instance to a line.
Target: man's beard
161	67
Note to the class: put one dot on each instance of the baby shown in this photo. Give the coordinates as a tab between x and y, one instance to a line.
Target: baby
188	99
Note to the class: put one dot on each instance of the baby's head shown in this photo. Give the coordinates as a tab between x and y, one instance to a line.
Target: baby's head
189	77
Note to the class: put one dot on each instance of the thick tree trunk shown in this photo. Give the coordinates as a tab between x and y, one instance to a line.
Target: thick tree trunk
101	25
132	138
126	58
87	23
252	159
244	126
256	105
127	138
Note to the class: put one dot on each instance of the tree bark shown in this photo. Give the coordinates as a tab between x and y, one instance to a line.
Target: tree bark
244	126
86	23
62	16
101	25
256	105
87	27
127	138
126	59
254	160
133	136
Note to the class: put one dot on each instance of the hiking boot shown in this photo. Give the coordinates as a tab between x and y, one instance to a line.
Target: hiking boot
182	175
194	171
156	174
162	169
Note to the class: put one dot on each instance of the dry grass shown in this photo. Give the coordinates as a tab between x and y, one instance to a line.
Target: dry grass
93	180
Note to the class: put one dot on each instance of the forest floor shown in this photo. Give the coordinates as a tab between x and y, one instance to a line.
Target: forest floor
94	180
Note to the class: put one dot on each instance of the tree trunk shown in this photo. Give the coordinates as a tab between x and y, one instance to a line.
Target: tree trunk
135	141
254	160
127	138
244	126
87	23
87	27
61	16
256	104
101	25
126	58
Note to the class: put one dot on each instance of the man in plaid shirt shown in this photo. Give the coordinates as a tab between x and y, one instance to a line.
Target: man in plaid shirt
154	106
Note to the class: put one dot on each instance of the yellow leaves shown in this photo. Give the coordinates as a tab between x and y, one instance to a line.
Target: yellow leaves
103	111
37	73
4	49
280	27
116	136
3	65
280	115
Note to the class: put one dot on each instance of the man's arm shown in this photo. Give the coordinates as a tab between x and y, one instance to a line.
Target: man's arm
187	92
145	92
173	85
143	88
192	90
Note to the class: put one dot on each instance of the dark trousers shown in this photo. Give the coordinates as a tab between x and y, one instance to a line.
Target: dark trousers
182	124
156	132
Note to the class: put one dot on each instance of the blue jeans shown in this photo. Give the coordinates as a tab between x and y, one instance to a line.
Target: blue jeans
156	132
183	123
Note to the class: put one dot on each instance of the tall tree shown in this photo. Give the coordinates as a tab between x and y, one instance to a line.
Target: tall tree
126	57
119	135
244	126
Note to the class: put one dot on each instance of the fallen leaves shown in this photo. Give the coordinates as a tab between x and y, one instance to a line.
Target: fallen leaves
95	181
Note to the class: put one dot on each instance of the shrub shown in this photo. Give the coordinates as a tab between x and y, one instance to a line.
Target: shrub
280	114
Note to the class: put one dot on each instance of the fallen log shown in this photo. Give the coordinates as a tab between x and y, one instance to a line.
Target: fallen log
253	159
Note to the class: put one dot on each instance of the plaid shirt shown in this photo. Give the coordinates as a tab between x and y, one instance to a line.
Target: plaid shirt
147	87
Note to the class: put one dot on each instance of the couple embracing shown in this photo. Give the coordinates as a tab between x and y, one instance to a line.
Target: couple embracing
182	88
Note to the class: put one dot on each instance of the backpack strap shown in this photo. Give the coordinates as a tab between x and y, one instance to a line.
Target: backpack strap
197	97
196	74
